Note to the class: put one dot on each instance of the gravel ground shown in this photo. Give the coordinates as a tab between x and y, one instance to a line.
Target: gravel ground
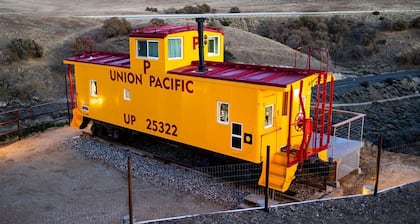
398	205
170	176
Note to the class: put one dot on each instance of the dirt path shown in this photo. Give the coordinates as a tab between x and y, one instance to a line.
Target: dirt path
44	182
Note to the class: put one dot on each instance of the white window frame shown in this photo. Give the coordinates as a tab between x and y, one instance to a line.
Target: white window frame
127	94
219	113
217	48
148	49
270	122
93	88
236	136
180	45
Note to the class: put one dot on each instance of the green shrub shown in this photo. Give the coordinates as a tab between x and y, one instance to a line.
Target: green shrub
234	9
389	81
215	24
365	84
385	25
400	25
114	27
415	23
20	49
150	9
170	11
204	8
410	58
225	22
157	22
198	9
228	56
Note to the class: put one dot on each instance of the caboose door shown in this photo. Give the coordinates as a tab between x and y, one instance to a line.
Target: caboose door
268	121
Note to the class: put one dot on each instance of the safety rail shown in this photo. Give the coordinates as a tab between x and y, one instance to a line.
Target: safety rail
347	125
16	122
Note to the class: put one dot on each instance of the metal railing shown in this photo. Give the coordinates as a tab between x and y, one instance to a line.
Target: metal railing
348	125
18	122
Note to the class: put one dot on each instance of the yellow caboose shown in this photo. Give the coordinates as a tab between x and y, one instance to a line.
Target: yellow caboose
174	84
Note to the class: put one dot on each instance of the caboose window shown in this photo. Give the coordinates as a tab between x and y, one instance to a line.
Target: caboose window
127	95
236	142
174	48
213	45
222	112
268	116
93	88
147	48
285	103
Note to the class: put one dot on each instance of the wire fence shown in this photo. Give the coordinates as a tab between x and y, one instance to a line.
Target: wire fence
153	200
313	180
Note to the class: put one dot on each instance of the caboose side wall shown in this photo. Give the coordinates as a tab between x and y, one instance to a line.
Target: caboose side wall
189	52
179	115
189	114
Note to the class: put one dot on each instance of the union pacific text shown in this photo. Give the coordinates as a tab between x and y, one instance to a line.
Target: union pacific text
127	77
171	84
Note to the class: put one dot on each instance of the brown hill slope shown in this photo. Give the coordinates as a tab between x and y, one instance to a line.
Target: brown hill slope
254	49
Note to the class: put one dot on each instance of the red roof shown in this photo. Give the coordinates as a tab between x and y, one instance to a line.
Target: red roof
256	74
103	58
163	31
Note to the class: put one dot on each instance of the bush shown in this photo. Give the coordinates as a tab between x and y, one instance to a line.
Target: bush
410	58
225	22
150	9
389	81
114	27
228	56
400	25
357	52
170	11
365	84
385	24
198	9
214	24
19	49
204	8
234	9
157	22
415	23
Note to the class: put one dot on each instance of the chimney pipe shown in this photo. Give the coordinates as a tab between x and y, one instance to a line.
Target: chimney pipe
200	30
